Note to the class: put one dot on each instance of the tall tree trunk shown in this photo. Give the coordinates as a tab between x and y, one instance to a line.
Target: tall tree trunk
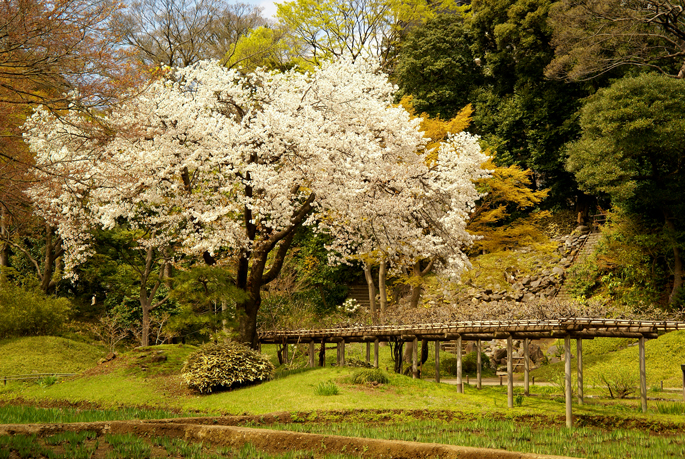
4	234
247	318
416	286
252	284
372	292
678	261
382	277
146	296
53	250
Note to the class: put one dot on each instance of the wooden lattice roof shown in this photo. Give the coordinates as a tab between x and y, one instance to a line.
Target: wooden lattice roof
586	328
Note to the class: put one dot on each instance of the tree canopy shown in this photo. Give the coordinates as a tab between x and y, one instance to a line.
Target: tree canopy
225	167
593	37
631	148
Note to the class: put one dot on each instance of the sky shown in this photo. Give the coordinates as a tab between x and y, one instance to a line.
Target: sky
269	8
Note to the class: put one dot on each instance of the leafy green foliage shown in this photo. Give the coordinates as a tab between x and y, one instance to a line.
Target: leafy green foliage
25	312
627	266
225	365
207	296
436	67
631	149
326	388
621	382
632	138
370	376
494	57
469	364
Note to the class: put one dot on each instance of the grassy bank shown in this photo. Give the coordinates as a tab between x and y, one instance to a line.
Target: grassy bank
607	357
46	354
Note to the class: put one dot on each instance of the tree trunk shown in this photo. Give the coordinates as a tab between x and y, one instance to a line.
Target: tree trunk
678	261
145	332
397	355
147	297
372	292
52	251
247	319
382	277
415	286
4	234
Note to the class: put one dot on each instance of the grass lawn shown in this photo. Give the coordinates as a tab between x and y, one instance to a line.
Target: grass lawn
149	377
609	356
405	408
46	354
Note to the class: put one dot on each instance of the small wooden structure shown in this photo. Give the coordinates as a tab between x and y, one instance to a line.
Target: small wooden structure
568	329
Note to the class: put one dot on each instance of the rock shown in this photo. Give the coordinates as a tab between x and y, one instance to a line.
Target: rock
535	284
158	357
487	291
558	271
496	297
500	354
582	229
528	297
535	353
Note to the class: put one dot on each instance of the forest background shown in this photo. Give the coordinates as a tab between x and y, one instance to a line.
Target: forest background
578	103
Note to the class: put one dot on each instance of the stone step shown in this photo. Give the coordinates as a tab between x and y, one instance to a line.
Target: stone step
586	249
359	293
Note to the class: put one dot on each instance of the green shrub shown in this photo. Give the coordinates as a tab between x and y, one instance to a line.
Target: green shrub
621	382
469	364
326	388
225	365
370	376
30	313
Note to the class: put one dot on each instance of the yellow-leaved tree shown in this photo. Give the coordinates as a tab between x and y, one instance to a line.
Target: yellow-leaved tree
500	217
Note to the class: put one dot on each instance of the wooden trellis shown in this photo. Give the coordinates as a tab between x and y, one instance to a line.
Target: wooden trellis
567	329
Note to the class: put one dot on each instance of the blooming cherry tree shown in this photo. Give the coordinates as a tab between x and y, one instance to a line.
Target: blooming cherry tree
226	167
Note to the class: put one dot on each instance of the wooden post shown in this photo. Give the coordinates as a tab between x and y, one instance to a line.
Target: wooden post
375	353
460	384
526	366
259	346
567	368
311	354
322	354
368	352
682	368
643	375
510	372
342	353
285	353
437	362
338	347
479	364
414	358
579	361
